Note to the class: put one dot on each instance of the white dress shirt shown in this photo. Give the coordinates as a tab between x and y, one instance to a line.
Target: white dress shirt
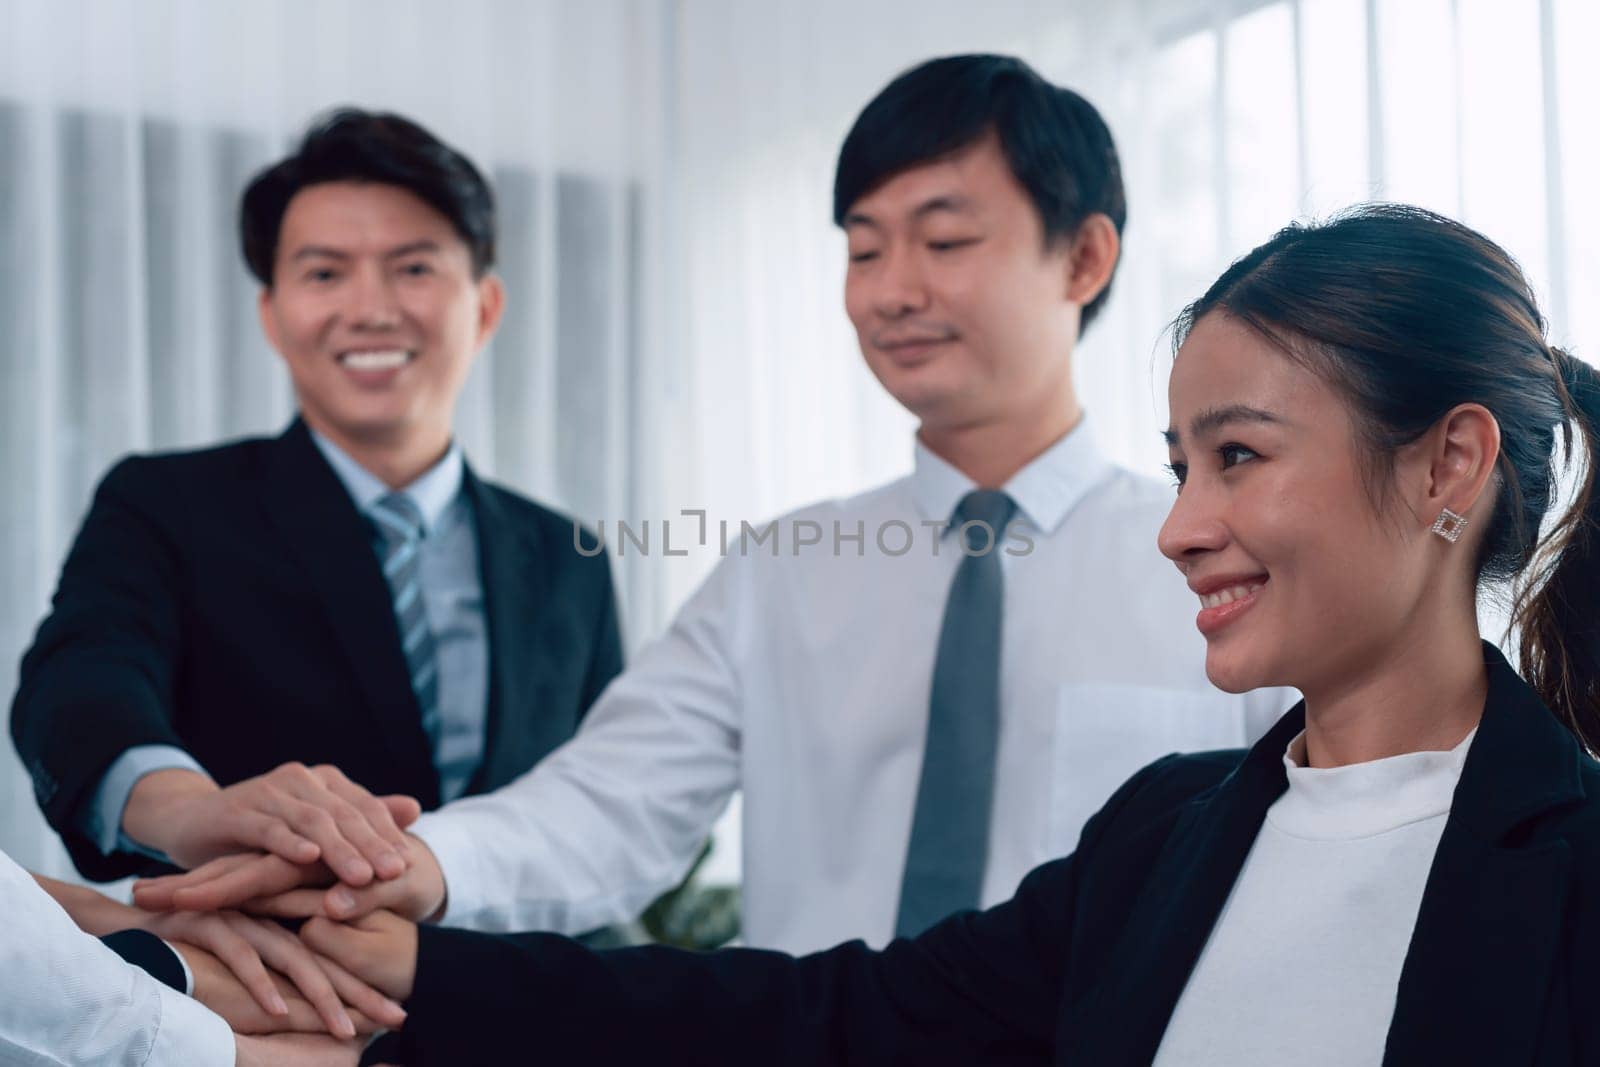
803	678
66	999
1303	965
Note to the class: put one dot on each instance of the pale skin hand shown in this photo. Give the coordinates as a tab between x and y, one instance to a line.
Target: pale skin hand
270	885
380	948
295	1050
252	949
303	814
219	989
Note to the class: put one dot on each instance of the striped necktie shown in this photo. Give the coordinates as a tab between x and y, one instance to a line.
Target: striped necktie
949	846
398	523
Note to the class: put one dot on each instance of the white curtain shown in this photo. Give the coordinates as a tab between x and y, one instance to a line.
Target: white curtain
1233	117
127	131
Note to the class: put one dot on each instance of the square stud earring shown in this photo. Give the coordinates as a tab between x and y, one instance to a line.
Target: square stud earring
1449	525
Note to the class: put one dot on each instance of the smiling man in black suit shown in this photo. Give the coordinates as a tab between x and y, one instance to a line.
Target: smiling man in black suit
251	645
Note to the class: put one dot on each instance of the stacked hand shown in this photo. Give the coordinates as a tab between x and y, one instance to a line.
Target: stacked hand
267	884
304	814
271	836
296	843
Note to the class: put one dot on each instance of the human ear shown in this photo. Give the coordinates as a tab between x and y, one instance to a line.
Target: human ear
491	305
1462	450
1093	257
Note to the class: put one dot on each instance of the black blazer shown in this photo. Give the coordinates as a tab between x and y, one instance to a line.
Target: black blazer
229	602
1086	963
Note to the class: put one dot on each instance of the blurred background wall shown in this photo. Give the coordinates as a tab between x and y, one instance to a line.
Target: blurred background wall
675	335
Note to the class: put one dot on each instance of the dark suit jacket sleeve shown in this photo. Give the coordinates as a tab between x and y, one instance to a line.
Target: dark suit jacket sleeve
606	663
150	953
978	988
98	679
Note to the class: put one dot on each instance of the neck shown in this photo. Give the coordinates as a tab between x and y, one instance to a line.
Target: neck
992	452
1425	695
395	459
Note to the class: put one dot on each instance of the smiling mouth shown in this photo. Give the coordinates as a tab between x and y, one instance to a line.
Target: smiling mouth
377	360
893	344
1230	594
1220	607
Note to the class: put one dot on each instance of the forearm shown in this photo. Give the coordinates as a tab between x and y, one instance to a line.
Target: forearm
76	712
562	849
849	1006
98	679
92	912
68	993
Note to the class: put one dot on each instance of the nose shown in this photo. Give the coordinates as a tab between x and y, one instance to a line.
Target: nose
372	301
1194	527
902	287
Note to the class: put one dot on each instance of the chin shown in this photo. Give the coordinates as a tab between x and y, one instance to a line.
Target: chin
1233	672
375	426
924	391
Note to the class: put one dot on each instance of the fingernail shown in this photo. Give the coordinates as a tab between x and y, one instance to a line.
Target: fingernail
345	1027
342	901
391	865
277	1006
394	1006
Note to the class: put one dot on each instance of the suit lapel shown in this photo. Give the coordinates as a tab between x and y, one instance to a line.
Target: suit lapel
1478	971
511	562
322	531
1123	1020
1477	974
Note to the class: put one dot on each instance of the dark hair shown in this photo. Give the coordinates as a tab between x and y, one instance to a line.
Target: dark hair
1055	142
1410	314
354	145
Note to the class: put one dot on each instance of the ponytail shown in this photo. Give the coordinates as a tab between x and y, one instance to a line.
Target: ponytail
1558	608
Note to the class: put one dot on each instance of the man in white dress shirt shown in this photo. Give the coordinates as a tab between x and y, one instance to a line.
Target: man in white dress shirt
983	209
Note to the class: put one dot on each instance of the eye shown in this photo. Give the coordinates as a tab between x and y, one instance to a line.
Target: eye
417	270
1234	454
1179	472
320	274
863	257
951	246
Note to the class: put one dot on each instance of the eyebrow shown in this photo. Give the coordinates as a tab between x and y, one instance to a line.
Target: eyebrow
323	251
952	202
1213	419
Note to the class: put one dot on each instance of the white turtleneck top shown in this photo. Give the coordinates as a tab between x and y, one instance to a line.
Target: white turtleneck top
1304	961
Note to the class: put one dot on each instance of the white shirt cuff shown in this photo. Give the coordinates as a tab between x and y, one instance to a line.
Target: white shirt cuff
190	1034
104	815
457	853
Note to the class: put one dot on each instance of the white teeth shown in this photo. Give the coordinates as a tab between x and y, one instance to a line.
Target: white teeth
1228	596
375	360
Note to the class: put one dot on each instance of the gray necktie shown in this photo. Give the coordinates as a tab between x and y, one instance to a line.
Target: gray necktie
950	829
398	523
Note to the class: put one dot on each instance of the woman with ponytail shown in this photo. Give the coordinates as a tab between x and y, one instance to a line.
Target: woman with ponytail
1367	433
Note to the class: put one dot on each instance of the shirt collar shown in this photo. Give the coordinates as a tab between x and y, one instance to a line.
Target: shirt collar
433	491
1045	490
